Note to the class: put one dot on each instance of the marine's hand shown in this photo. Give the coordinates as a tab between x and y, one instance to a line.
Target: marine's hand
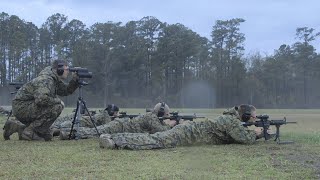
270	131
258	132
75	76
169	122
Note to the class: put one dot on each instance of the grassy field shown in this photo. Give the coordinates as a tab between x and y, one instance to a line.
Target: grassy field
83	159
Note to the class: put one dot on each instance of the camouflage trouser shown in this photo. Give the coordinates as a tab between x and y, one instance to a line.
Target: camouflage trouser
183	134
85	121
39	117
142	124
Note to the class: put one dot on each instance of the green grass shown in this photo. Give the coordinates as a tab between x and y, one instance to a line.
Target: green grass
83	159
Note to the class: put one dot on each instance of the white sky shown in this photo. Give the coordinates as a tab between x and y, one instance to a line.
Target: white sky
269	23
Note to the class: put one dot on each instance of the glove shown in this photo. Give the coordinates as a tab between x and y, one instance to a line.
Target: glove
75	76
169	122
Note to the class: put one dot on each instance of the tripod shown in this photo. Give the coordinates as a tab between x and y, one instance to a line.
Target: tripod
81	109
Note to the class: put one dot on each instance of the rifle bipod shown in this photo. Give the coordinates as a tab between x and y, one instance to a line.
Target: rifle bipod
277	139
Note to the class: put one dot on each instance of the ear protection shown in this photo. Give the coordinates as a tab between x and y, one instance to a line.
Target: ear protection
60	69
246	112
246	116
161	110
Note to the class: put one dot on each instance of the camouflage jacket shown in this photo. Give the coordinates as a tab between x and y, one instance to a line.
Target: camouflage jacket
229	129
45	88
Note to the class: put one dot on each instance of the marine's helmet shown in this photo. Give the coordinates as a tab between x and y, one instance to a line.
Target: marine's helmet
161	110
246	112
111	109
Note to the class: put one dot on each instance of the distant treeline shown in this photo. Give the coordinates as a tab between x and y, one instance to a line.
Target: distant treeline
139	63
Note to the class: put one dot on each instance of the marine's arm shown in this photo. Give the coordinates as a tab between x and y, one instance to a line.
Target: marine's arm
43	92
145	123
64	89
239	133
157	126
102	117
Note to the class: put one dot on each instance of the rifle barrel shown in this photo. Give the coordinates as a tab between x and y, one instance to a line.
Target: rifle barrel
16	83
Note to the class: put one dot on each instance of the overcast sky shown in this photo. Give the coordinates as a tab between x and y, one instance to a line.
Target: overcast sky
269	23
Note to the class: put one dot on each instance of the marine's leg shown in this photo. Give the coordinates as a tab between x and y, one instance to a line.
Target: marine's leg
64	123
115	126
141	124
38	119
46	118
184	134
29	134
24	112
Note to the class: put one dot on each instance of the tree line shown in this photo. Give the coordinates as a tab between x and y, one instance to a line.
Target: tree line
139	63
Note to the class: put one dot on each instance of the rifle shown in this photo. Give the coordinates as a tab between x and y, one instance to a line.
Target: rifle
17	86
265	123
175	116
91	112
124	114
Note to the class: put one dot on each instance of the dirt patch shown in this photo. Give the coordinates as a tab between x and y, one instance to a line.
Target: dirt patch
306	160
295	154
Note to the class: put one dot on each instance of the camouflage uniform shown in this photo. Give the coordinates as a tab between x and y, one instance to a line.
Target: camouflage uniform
224	129
12	126
148	123
36	103
66	121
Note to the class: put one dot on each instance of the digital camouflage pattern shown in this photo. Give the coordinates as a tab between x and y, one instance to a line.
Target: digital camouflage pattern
224	129
102	117
36	103
148	123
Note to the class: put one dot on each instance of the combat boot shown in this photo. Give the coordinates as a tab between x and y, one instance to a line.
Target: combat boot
47	136
29	134
106	142
12	126
63	135
55	131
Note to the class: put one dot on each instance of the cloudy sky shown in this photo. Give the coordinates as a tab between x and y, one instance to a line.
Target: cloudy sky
269	23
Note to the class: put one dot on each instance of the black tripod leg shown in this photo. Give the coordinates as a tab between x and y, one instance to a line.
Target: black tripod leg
94	124
73	122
